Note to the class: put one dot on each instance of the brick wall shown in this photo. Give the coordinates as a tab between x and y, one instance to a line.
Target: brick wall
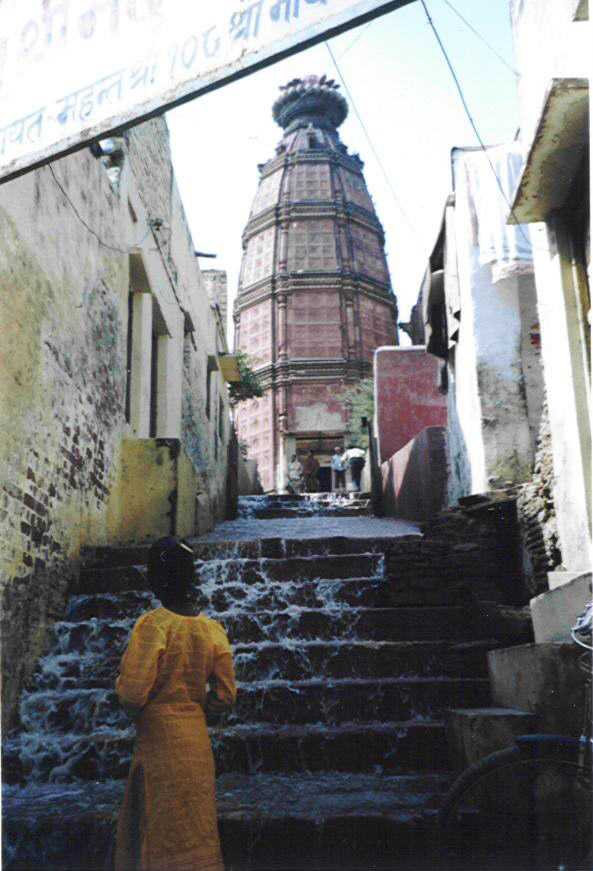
477	555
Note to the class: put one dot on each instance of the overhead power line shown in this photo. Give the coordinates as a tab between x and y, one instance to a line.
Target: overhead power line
371	143
471	119
482	38
360	33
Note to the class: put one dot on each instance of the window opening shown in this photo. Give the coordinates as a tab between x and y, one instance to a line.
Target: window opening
220	419
154	366
128	399
208	379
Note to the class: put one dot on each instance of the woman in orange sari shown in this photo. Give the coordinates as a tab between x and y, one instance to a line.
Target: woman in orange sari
168	819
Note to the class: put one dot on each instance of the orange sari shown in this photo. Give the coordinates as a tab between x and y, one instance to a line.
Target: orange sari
168	818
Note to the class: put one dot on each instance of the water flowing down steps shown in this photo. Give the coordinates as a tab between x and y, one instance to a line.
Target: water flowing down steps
335	755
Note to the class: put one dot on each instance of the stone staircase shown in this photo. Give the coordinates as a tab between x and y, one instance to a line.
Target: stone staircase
305	505
335	756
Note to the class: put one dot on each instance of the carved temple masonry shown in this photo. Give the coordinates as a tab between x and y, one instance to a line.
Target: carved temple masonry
315	297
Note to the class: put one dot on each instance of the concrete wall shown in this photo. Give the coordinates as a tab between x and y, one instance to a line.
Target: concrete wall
64	329
415	478
407	396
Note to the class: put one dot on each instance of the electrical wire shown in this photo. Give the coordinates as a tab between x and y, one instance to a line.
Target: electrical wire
81	219
483	39
356	38
371	144
472	121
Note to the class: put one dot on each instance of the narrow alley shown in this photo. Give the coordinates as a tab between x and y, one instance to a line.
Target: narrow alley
296	370
335	755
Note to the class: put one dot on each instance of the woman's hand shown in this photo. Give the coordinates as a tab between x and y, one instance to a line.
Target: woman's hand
133	711
215	708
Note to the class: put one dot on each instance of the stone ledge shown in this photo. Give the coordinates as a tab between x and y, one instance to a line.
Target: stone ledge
543	679
476	732
555	612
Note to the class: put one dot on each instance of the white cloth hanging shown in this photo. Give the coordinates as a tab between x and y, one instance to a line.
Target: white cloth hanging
488	178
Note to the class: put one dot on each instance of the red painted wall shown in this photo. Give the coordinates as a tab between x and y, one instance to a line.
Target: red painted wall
407	398
415	478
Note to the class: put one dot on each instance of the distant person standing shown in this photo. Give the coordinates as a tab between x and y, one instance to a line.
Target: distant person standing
355	457
295	475
339	467
311	469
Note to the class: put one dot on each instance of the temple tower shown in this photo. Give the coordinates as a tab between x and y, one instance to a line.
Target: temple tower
315	296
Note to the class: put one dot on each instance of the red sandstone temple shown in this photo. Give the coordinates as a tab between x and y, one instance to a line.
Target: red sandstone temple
315	297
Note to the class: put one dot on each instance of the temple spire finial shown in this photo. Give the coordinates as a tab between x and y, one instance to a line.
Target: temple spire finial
311	100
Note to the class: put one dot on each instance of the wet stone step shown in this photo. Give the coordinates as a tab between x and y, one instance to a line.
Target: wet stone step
360	510
79	711
34	758
279	548
290	568
262	596
109	606
415	745
292	660
91	637
77	671
297	702
348	700
389	624
96	636
271	547
394	747
263	818
339	659
245	571
214	594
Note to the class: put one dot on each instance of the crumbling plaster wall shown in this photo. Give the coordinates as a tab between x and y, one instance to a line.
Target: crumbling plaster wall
564	353
64	313
491	438
63	300
495	377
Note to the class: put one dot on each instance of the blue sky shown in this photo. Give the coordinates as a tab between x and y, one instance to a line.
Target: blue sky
410	109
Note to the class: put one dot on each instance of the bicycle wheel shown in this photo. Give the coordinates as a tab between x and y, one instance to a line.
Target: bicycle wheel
525	808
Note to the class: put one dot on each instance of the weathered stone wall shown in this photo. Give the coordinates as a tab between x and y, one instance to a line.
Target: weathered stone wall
474	556
63	377
64	331
537	515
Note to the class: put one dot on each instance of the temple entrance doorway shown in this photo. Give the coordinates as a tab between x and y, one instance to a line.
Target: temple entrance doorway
323	446
325	479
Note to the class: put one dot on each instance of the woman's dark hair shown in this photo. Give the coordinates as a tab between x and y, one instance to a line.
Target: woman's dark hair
171	571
